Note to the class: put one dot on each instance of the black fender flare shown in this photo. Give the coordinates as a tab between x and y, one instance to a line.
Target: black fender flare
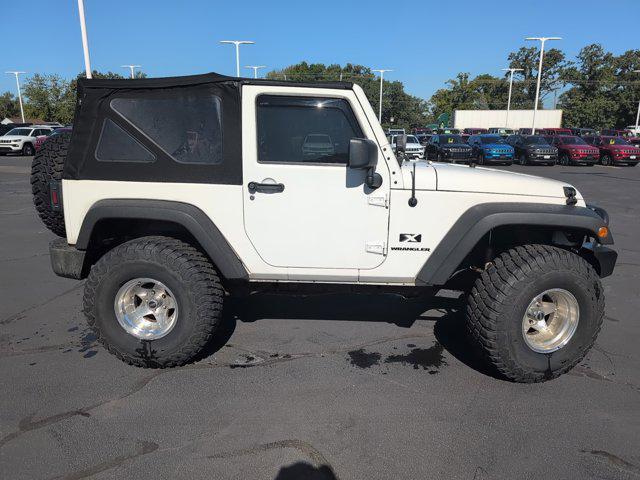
194	220
480	219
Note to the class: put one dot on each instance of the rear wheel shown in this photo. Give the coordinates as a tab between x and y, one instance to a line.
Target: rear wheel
153	302
535	312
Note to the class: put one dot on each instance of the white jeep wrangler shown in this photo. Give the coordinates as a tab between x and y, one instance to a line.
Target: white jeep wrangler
176	192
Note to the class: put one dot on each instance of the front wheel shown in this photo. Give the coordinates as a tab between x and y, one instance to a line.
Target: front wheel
606	160
480	158
535	312
564	159
153	302
27	150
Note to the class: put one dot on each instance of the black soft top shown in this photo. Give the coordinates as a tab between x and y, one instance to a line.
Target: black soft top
201	79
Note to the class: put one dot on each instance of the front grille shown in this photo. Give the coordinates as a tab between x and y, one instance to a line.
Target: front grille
7	141
500	151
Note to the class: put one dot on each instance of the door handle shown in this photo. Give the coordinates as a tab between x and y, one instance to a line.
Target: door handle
265	187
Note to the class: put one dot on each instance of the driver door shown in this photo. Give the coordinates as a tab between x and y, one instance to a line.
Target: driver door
303	207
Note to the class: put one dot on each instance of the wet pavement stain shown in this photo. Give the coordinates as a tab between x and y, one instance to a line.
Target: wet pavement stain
430	359
363	359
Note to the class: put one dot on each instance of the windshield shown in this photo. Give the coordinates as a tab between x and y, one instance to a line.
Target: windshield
615	141
496	139
22	132
572	141
444	139
412	139
535	141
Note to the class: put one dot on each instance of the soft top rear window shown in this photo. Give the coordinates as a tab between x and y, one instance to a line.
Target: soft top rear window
187	125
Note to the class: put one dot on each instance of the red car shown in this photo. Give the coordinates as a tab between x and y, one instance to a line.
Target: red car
574	150
615	150
42	138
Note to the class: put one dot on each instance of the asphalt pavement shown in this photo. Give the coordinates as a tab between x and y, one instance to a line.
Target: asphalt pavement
321	387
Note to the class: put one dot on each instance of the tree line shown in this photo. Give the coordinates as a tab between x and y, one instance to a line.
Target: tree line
596	89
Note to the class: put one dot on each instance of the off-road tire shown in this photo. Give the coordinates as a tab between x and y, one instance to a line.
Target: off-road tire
47	166
498	300
185	271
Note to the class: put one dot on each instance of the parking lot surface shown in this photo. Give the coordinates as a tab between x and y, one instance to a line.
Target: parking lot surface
321	387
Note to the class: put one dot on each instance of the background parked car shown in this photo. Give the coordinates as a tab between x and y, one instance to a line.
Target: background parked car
22	140
317	145
448	148
489	148
533	149
423	138
10	126
554	131
581	132
474	131
615	150
574	150
503	132
413	148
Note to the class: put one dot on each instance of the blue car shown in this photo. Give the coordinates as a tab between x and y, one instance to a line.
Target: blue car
491	148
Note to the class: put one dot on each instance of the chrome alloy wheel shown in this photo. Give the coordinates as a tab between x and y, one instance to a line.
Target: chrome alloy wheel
146	308
550	320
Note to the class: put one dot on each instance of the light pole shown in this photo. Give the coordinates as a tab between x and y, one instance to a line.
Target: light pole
85	42
511	71
637	132
535	106
237	43
132	68
382	70
20	93
255	69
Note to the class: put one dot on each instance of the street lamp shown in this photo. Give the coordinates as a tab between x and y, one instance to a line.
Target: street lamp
132	68
85	42
19	92
535	106
381	80
237	43
255	69
637	114
511	71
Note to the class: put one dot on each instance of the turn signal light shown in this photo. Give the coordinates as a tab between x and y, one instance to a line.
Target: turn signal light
603	232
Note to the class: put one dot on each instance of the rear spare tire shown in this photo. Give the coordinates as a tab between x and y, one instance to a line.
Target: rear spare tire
535	312
47	167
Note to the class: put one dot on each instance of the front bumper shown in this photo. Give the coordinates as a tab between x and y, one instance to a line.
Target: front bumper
586	159
66	260
462	156
498	157
10	149
626	159
542	158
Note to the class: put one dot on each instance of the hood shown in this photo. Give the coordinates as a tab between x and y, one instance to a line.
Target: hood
496	145
577	147
461	178
13	137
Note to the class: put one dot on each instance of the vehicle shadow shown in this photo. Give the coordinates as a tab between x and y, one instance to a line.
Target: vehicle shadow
306	471
447	313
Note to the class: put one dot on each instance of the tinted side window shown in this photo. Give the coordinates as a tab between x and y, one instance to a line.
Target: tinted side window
186	125
305	129
116	145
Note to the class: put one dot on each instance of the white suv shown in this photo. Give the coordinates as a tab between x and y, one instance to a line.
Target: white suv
22	139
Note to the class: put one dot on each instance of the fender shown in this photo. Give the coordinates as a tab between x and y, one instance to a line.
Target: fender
480	219
194	220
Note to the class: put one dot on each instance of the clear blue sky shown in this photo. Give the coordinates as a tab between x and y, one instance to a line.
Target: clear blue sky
425	42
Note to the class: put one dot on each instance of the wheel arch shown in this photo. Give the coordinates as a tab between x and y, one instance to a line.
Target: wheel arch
121	219
474	233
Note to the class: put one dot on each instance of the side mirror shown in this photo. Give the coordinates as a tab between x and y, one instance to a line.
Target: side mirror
363	155
401	143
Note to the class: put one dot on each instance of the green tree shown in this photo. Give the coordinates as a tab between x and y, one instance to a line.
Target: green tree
9	106
47	98
406	110
554	65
